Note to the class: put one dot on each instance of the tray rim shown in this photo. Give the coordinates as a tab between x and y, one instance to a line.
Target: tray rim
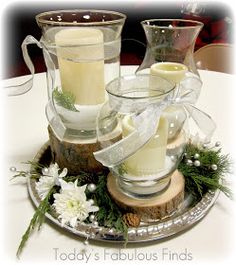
151	232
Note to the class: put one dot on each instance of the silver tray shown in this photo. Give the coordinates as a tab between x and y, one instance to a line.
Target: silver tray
189	213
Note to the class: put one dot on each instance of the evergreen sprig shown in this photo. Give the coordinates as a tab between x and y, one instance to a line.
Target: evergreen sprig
109	215
65	99
34	172
37	219
200	179
83	178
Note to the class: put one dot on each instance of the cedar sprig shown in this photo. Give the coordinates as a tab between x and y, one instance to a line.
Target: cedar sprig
198	180
109	215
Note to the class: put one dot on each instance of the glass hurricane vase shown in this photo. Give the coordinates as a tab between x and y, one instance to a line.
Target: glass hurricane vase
133	131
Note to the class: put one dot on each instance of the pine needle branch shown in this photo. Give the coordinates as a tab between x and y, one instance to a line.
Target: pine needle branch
36	220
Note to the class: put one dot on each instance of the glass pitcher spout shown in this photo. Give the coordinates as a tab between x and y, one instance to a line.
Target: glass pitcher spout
170	40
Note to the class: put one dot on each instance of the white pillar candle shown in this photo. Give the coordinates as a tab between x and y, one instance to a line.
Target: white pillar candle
176	117
151	157
80	54
173	72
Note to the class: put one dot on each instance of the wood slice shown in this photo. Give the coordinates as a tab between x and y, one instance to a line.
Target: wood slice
155	207
75	157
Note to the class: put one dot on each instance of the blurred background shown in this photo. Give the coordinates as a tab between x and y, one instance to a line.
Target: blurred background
20	20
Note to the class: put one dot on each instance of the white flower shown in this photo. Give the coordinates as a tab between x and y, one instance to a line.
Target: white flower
197	140
50	178
71	203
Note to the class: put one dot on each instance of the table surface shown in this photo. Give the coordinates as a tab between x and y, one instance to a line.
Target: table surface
210	241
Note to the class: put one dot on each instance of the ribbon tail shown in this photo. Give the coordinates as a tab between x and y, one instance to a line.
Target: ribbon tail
27	85
24	87
202	120
19	89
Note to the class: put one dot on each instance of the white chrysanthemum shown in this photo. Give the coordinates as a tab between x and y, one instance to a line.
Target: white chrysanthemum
49	179
71	203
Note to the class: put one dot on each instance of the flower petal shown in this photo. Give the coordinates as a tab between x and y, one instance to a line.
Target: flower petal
44	185
83	188
63	183
63	173
73	222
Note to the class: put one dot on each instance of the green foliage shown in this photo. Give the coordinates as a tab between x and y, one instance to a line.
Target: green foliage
198	180
109	215
83	178
121	169
37	220
65	99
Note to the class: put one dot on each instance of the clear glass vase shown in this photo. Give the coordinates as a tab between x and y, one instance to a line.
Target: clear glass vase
133	131
170	40
169	54
82	54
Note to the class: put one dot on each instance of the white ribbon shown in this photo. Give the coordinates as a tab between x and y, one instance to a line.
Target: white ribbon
27	85
51	113
146	119
22	88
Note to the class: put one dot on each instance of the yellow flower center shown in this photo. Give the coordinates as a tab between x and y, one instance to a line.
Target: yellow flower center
73	205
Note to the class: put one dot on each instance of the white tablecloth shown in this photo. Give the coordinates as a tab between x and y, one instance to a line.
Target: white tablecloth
25	130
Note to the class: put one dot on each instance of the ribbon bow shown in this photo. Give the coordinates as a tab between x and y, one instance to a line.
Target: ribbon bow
146	119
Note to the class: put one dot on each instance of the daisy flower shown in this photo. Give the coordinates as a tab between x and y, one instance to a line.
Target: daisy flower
72	204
